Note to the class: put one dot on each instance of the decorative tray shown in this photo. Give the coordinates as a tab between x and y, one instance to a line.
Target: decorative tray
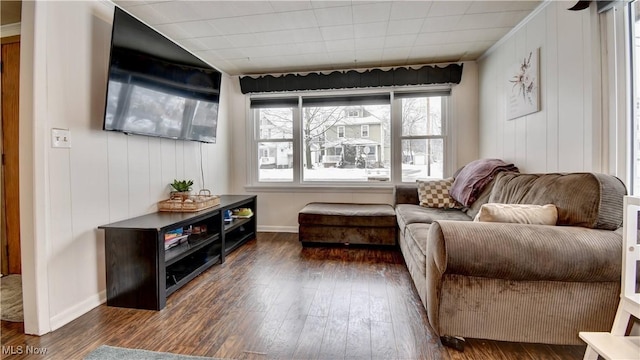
189	203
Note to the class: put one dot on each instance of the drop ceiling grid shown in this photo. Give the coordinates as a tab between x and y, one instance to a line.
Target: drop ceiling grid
252	37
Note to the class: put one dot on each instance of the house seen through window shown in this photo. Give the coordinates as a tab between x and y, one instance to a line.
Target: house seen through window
348	139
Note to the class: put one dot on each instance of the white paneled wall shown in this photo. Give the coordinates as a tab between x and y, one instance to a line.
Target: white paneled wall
104	176
563	135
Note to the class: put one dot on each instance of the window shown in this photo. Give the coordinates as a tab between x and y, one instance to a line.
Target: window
274	139
348	138
422	139
348	157
364	131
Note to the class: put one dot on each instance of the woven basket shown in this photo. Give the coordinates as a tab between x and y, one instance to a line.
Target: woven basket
191	203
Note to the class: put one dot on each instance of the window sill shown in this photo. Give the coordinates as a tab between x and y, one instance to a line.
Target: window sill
386	188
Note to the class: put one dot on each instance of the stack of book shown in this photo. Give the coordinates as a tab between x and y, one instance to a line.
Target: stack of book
173	238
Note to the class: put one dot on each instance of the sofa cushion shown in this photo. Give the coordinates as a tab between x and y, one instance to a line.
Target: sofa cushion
416	238
410	214
435	193
583	199
518	213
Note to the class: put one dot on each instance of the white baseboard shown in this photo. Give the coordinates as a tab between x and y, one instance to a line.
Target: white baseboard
77	310
285	229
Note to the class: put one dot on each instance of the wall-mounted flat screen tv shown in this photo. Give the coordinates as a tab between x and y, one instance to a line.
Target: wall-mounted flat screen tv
156	87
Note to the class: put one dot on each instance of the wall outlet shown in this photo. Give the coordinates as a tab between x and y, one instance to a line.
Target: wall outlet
60	138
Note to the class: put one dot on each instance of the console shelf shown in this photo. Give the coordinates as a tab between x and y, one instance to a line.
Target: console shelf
141	273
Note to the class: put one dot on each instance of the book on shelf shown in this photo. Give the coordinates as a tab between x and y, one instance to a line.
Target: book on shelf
173	241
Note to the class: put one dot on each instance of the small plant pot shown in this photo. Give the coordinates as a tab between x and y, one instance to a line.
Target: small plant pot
180	194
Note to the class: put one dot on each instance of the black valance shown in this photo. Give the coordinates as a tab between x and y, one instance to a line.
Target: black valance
430	74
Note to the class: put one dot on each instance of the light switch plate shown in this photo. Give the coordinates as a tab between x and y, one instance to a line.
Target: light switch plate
60	138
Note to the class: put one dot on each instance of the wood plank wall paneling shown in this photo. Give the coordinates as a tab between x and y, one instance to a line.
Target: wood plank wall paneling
274	299
561	136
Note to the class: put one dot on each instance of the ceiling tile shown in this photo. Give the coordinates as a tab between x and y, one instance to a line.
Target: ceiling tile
334	16
400	40
448	8
284	6
148	14
275	37
299	19
213	10
173	31
377	29
399	27
309	47
371	13
432	39
229	26
479	21
215	42
244	8
197	29
401	10
193	44
327	4
369	43
337	32
271	22
178	11
500	6
243	40
340	45
395	53
442	23
309	34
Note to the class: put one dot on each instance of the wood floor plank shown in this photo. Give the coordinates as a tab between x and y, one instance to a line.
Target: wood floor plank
273	299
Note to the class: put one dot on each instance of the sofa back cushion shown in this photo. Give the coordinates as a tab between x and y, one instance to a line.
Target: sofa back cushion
583	199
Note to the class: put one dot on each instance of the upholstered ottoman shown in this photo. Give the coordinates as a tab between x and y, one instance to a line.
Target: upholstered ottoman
338	223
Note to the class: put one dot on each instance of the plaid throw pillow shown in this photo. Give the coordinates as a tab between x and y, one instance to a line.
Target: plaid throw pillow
435	193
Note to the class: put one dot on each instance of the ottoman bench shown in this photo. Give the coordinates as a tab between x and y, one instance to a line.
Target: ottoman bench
340	223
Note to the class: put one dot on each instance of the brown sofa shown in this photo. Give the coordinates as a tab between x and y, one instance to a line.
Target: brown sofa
518	282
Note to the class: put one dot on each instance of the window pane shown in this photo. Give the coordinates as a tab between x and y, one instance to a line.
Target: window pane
422	116
275	123
334	148
275	161
422	159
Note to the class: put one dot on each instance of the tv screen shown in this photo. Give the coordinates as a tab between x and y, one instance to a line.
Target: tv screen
156	87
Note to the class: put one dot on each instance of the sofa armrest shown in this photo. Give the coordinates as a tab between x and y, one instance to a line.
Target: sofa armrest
517	252
526	252
406	194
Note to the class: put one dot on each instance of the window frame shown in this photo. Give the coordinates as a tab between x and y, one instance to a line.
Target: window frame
362	131
395	130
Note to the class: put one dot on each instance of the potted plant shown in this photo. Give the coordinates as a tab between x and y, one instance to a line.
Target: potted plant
181	188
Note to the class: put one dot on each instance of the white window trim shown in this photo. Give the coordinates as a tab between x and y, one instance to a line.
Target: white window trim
362	131
616	93
297	185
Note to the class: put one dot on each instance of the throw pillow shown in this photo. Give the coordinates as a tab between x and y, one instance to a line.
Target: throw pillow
435	193
518	213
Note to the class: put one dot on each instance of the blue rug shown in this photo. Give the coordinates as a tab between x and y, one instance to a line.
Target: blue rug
106	352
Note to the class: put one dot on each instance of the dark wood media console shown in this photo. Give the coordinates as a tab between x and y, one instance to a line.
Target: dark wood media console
141	273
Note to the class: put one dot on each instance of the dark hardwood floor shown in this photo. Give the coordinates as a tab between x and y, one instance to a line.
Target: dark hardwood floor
273	299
